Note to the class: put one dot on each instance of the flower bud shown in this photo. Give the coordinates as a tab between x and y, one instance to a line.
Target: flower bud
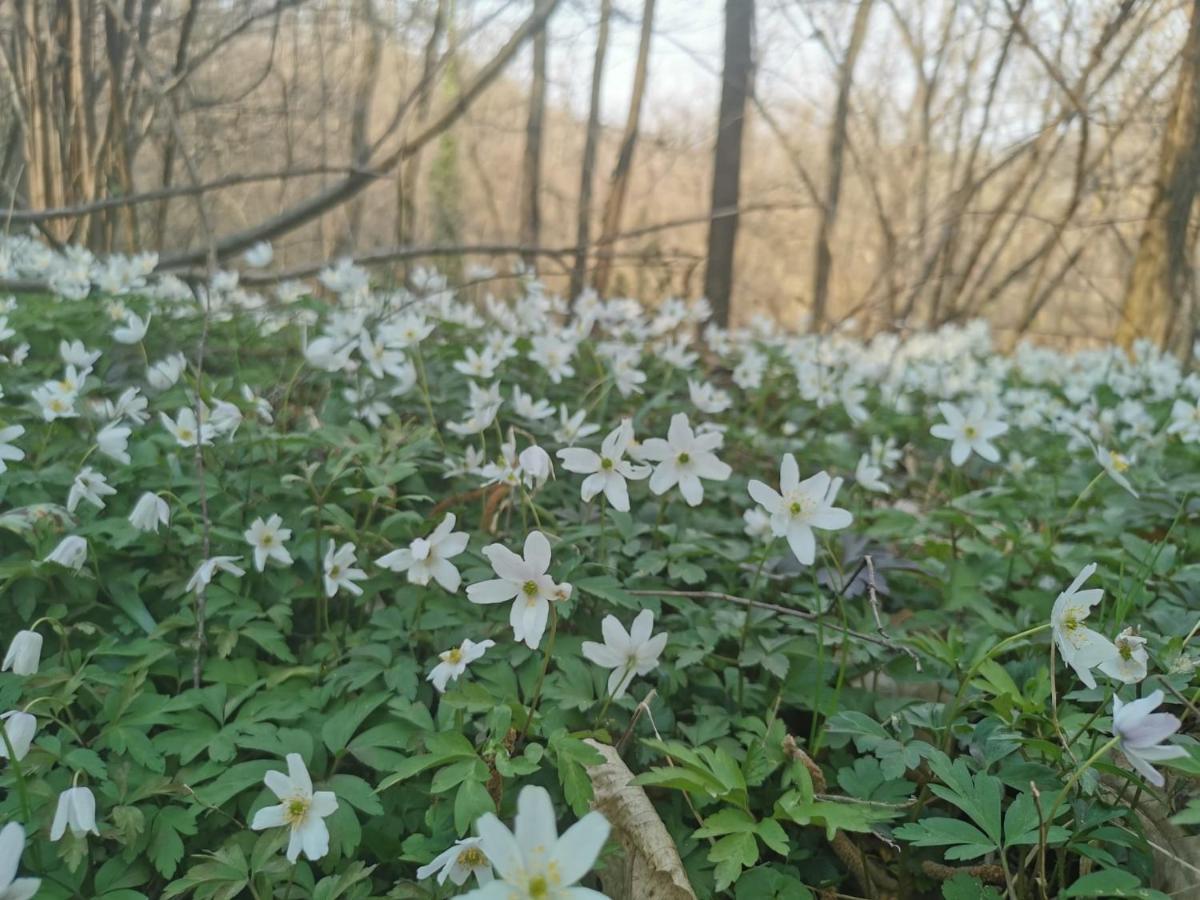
23	653
71	553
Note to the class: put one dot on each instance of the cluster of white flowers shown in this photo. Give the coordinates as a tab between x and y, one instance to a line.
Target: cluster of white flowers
371	345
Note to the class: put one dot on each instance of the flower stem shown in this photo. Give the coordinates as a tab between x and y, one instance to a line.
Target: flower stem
537	690
1076	775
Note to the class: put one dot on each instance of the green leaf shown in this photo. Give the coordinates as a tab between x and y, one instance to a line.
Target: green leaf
964	839
1105	883
471	802
341	726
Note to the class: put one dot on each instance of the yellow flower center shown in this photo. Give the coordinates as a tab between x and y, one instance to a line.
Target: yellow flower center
1119	462
454	656
538	887
335	571
295	810
267	539
530	588
684	459
1125	650
472	857
971	431
606	463
185	434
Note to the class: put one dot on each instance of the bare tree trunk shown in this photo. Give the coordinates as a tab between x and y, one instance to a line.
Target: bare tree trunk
168	164
406	174
619	182
1160	281
588	168
833	176
727	158
531	163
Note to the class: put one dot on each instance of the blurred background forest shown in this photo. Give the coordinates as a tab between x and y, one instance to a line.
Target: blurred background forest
894	164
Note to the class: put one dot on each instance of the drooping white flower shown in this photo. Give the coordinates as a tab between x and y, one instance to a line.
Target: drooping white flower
76	355
267	538
12	845
164	373
683	459
869	476
458	863
8	451
523	581
185	429
532	861
113	440
1141	733
607	470
627	653
149	512
340	571
429	558
91	486
208	568
708	399
536	467
76	810
1129	663
1082	648
300	808
133	330
969	431
24	653
19	727
71	552
800	506
455	661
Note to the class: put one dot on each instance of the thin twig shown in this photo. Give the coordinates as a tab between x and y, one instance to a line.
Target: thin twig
882	641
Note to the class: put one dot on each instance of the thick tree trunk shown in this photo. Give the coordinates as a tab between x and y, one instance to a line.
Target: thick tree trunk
823	264
727	158
531	163
619	182
1160	281
588	168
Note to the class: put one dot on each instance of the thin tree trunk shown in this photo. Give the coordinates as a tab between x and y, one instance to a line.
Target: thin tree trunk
406	174
827	215
588	168
531	163
619	181
727	158
1161	280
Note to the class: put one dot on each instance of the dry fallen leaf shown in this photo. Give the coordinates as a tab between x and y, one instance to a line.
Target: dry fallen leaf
650	868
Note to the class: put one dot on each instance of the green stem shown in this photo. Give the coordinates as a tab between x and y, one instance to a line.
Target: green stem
1076	775
537	690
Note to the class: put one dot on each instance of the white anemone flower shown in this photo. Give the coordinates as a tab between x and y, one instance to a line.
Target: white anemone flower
24	653
1141	731
91	486
340	571
607	470
1082	648
455	661
133	330
149	512
969	431
1116	465
523	581
8	451
429	558
1128	664
267	539
800	506
627	653
185	429
458	863
683	459
208	568
19	727
300	808
12	845
76	810
532	861
71	552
